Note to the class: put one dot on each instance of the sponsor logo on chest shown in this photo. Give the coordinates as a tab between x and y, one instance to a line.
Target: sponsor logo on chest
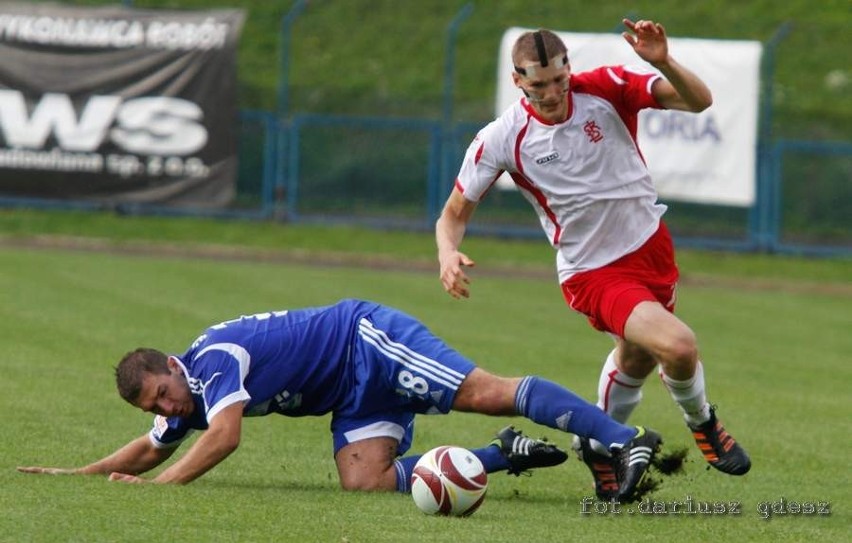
545	159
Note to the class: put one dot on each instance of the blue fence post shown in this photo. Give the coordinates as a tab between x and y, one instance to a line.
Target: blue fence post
780	150
775	154
447	139
433	176
270	161
283	110
761	228
292	187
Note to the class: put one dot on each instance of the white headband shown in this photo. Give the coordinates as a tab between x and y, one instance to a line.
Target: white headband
529	69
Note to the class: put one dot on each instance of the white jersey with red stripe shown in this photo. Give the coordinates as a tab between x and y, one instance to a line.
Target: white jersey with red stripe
585	177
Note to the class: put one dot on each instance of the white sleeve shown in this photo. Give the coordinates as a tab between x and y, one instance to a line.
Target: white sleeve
483	162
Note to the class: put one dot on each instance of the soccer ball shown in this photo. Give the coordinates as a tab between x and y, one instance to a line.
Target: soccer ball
449	481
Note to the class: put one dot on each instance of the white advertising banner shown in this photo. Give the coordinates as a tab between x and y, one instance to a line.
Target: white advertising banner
707	158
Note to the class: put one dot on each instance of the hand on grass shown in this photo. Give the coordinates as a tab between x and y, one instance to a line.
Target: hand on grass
47	471
126	478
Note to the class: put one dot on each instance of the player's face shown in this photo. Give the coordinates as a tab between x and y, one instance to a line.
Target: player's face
546	90
167	395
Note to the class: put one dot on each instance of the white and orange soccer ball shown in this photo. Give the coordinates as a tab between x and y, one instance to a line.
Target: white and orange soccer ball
449	481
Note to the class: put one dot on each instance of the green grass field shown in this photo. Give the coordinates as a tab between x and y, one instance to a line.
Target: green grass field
774	334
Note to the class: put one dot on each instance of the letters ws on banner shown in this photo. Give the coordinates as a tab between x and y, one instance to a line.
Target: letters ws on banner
708	158
118	105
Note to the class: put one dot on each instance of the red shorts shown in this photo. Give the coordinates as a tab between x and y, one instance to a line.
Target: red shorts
607	295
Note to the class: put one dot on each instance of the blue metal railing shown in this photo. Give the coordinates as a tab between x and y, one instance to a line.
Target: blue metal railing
297	124
759	220
780	151
281	163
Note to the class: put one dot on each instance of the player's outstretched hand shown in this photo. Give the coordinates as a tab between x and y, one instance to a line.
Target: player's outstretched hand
125	478
47	471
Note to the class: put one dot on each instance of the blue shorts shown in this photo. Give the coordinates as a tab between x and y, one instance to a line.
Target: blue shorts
401	369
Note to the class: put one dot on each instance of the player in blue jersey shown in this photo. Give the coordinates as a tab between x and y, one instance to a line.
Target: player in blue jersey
373	368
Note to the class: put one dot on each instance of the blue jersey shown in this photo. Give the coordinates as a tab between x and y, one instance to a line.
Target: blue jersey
368	364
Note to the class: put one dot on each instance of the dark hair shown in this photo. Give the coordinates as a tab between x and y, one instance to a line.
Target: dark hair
133	367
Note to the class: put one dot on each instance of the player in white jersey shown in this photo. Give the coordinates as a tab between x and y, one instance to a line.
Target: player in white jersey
373	368
570	146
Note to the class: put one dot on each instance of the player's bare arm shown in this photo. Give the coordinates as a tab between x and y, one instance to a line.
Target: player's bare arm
215	444
449	233
136	457
681	89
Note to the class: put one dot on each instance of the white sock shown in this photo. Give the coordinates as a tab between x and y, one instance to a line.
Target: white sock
618	395
690	395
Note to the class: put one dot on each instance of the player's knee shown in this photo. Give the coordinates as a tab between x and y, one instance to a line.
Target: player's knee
355	485
636	361
681	349
361	482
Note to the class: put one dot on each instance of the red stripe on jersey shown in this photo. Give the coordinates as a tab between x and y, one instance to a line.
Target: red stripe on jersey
518	142
521	180
479	153
459	186
526	184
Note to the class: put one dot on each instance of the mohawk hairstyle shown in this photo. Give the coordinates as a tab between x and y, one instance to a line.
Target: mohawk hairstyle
537	46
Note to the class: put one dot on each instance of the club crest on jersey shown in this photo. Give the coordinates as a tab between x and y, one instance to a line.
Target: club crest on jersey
549	158
593	131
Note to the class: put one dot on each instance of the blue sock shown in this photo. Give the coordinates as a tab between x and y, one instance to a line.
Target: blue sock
549	404
490	456
404	469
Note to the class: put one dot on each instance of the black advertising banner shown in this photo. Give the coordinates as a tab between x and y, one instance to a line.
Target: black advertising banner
118	105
